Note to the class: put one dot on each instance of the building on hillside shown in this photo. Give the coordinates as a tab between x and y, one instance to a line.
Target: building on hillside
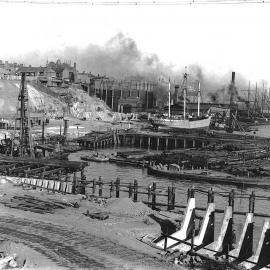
44	75
86	80
8	70
69	74
64	71
4	73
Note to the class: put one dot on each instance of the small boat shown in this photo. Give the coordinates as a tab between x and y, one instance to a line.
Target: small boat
210	176
96	157
129	162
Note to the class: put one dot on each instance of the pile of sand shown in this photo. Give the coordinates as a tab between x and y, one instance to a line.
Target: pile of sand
126	207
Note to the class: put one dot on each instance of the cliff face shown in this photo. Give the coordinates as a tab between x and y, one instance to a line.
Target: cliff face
8	97
72	101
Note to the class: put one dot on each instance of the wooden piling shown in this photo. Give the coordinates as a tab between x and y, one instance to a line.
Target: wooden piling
251	202
169	193
94	187
100	183
130	189
210	196
111	189
173	196
231	199
135	187
75	183
154	186
188	194
149	192
117	187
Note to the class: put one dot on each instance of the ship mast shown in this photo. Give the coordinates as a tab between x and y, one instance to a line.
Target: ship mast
199	97
185	92
248	99
169	108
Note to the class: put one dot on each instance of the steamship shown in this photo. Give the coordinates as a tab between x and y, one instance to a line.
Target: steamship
182	121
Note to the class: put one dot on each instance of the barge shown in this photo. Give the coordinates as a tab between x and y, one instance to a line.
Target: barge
209	176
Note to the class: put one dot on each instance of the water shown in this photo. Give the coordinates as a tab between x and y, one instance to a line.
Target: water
127	174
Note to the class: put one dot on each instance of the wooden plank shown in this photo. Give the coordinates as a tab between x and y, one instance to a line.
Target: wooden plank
37	169
56	203
22	168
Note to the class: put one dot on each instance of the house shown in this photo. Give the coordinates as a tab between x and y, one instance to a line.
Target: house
69	74
64	71
4	73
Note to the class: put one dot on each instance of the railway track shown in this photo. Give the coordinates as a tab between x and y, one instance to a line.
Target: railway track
76	250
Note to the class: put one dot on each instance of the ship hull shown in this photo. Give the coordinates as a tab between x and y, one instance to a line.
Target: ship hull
183	123
216	179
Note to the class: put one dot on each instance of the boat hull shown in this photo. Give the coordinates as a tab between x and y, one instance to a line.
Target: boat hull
237	181
95	159
183	123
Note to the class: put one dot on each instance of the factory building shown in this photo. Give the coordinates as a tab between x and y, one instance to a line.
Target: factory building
125	96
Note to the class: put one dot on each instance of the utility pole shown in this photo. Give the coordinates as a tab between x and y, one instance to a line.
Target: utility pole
185	93
169	108
248	104
25	134
232	89
199	97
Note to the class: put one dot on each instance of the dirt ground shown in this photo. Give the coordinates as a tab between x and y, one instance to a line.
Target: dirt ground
67	239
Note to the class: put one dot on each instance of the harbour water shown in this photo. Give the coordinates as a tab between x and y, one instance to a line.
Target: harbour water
110	171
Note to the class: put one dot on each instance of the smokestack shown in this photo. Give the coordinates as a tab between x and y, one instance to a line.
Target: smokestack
233	77
232	90
175	96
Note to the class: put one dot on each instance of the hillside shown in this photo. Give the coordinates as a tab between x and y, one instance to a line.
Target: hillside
54	101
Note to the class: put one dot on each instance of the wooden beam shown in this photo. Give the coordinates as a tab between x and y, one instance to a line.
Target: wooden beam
52	171
22	168
44	168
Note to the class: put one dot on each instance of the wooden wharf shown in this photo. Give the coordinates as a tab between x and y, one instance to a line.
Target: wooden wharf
56	175
219	249
161	140
61	179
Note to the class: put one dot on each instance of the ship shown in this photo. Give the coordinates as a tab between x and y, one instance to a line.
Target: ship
183	121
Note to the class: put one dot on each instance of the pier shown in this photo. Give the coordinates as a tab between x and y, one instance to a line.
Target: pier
159	140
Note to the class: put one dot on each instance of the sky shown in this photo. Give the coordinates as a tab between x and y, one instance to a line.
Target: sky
220	38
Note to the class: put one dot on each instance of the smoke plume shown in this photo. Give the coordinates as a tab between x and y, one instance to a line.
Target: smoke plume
120	58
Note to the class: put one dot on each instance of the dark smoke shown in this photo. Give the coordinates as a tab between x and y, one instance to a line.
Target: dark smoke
218	88
120	58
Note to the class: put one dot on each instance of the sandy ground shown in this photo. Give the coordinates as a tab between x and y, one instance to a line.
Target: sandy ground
68	239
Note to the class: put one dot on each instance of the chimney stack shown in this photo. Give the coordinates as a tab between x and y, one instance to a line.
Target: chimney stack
233	77
175	96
